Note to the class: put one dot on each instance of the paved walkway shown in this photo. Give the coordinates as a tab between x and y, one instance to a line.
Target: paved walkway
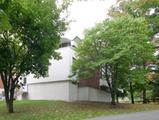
152	115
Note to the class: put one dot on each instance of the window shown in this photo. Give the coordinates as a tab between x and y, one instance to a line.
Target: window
73	46
24	81
65	45
74	59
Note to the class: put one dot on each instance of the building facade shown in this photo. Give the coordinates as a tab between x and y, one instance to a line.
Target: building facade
58	86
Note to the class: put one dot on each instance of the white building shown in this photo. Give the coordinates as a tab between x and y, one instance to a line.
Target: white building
58	86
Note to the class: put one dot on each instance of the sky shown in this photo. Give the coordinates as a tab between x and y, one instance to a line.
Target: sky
85	14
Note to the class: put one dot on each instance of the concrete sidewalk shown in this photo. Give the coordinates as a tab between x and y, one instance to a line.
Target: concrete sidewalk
151	115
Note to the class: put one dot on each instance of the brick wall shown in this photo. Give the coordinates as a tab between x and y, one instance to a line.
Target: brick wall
1	84
91	82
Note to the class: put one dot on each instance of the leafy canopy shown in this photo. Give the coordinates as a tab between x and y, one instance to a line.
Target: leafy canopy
123	40
29	36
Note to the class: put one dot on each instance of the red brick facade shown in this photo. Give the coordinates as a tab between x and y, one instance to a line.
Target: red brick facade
1	84
91	82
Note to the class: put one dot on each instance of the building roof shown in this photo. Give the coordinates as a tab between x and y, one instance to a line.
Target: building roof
65	40
76	39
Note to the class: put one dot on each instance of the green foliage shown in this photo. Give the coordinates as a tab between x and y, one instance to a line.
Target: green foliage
148	9
30	32
113	41
4	21
33	38
138	8
114	47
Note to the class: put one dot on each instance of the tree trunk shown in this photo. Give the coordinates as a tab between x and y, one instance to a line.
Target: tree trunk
113	97
112	83
113	92
131	93
144	96
115	82
10	106
9	84
9	97
117	99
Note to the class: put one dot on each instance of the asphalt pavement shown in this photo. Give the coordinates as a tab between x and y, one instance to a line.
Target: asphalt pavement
149	115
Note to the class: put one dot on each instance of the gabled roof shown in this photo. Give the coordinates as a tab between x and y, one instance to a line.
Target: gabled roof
76	39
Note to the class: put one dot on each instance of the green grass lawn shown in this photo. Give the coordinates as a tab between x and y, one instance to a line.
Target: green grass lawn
58	110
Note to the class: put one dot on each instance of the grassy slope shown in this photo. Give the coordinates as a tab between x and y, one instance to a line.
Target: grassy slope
58	110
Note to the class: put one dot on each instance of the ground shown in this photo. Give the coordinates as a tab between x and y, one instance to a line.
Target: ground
59	110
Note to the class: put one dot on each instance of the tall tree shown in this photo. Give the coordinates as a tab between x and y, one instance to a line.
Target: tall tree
147	9
111	46
29	42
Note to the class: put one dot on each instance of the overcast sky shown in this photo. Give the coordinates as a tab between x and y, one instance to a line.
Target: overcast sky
86	14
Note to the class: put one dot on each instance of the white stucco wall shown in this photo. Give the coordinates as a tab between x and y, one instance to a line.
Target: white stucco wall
64	90
92	94
73	92
59	69
53	90
83	93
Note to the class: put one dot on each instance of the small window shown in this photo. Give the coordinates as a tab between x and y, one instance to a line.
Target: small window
24	81
65	45
74	59
73	46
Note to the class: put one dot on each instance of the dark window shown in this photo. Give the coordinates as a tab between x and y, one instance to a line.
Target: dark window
74	59
65	45
24	81
73	46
